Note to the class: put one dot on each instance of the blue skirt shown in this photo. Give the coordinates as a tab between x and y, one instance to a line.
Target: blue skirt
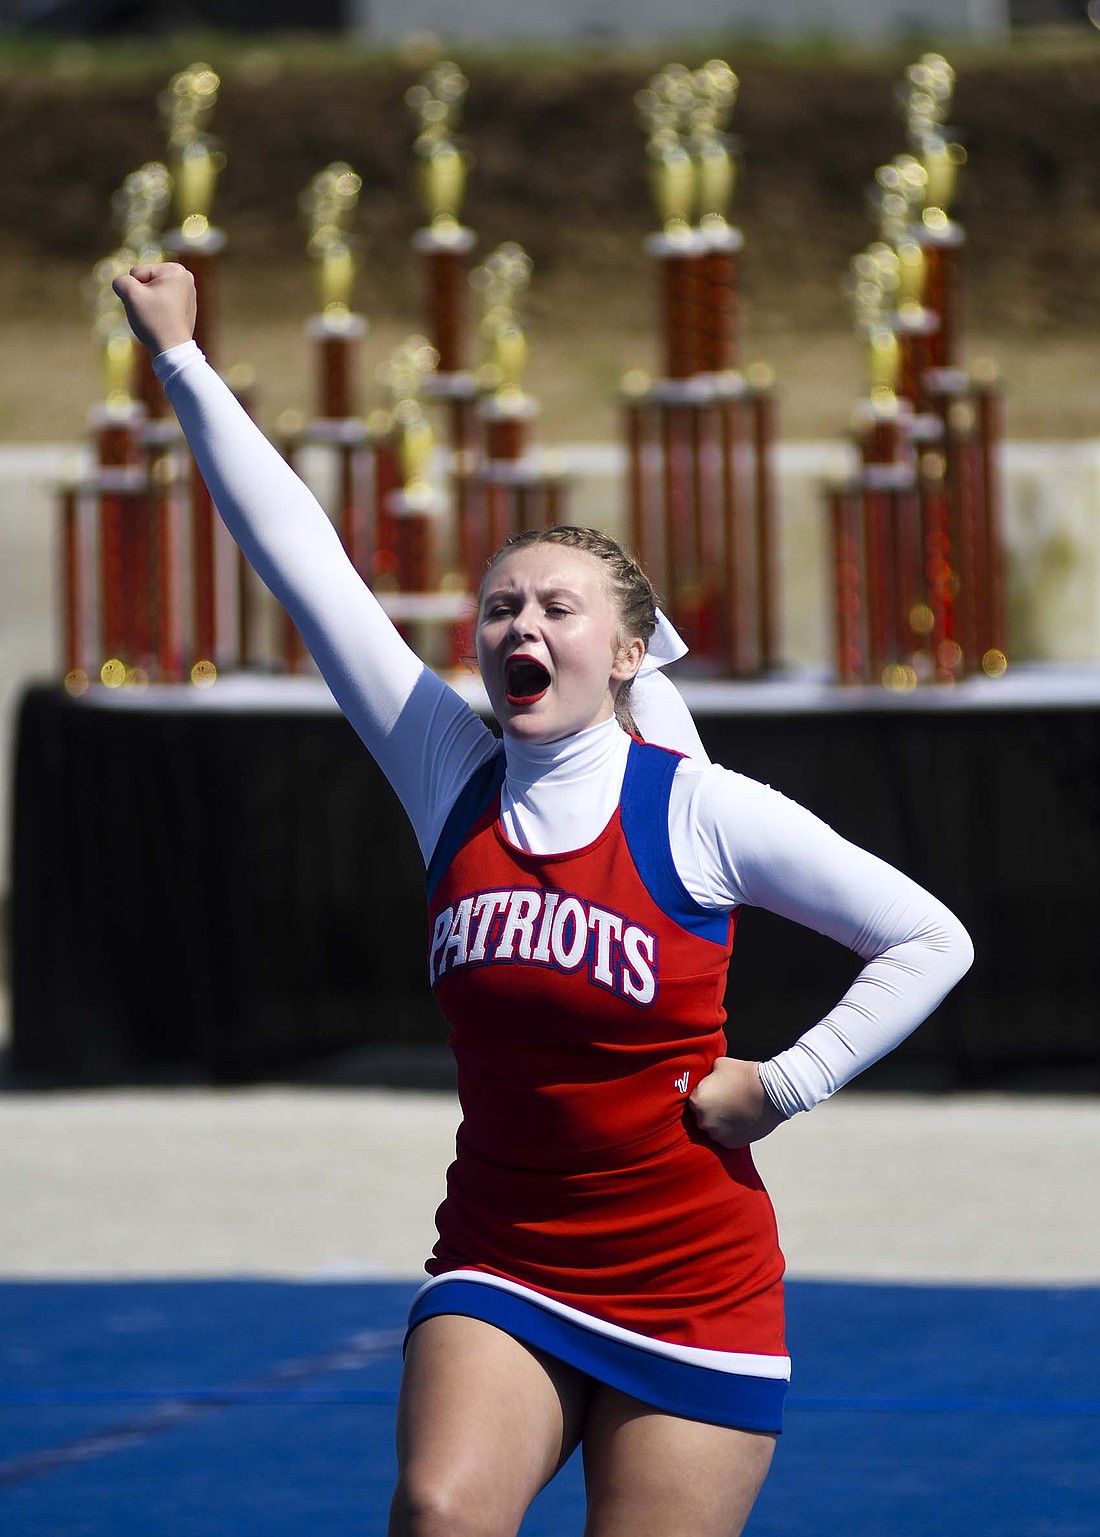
669	1378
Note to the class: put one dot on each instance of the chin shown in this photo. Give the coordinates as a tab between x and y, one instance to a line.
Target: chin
531	730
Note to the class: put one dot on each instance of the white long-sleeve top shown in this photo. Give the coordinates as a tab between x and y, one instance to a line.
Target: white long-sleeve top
734	841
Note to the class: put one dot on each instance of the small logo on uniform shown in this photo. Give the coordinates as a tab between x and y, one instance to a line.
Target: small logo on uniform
682	1082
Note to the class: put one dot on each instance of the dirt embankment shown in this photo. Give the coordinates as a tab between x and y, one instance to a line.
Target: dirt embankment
559	167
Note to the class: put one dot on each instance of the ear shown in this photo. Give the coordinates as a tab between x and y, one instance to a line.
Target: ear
628	659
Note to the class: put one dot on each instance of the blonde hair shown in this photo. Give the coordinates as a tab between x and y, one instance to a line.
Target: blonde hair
631	589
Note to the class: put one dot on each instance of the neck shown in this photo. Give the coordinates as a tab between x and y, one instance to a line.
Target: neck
578	753
560	795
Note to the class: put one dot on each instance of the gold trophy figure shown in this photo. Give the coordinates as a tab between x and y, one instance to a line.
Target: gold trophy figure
329	202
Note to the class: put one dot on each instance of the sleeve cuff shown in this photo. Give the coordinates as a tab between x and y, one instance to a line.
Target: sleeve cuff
780	1090
167	364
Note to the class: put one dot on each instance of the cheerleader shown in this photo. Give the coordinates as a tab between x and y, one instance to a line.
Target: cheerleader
607	1272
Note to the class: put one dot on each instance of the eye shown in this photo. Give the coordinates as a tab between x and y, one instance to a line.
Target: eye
556	610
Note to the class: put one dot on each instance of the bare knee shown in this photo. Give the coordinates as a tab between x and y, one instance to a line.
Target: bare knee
439	1506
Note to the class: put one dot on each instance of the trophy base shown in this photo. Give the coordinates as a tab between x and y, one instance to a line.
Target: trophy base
209	243
688	243
345	326
447	237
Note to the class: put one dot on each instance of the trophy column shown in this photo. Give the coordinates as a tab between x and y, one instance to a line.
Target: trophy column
511	490
187	105
337	333
669	544
918	586
700	440
428	605
145	197
119	483
444	246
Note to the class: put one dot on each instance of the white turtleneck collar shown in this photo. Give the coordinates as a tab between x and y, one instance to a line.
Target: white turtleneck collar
559	796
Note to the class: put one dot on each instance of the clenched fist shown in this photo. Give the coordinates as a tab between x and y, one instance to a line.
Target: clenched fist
159	299
731	1106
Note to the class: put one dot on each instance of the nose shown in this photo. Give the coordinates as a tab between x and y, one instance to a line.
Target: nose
524	624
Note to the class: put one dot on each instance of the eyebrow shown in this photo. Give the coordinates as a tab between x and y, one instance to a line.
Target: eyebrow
545	593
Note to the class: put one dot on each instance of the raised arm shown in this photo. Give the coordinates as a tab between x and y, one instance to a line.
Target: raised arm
751	845
425	739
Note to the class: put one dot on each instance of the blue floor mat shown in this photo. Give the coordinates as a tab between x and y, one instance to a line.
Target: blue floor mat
204	1407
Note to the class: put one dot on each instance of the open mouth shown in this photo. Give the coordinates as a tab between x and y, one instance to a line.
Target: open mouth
525	680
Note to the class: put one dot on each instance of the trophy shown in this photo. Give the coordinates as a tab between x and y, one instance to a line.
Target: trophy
968	407
140	205
875	518
919	591
329	203
405	558
665	108
898	196
117	486
668	544
444	243
507	411
509	490
700	439
929	87
427	609
117	527
414	505
76	558
186	105
716	89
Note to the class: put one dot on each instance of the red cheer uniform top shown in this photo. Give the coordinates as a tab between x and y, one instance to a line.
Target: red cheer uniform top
584	996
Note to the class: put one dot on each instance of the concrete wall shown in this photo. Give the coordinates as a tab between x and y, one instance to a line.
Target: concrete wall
653	19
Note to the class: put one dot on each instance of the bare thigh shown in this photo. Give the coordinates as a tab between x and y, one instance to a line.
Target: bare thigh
483	1422
650	1474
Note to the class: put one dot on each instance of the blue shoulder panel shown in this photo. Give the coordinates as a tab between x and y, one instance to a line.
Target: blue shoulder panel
644	809
473	799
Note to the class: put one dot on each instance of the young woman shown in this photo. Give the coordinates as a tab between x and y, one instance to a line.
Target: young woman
607	1272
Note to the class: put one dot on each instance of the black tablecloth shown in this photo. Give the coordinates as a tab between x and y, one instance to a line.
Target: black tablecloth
228	893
